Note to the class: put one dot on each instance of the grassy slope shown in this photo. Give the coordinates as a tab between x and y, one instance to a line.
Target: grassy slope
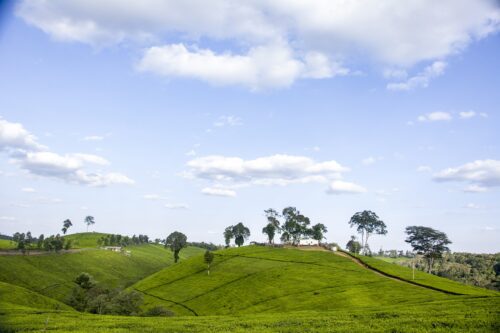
256	280
84	239
6	244
356	300
52	275
14	297
426	279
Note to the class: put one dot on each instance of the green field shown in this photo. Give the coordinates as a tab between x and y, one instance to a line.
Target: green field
261	289
53	274
6	244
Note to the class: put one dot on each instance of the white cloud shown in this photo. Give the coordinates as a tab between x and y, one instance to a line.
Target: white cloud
397	34
28	189
424	168
421	80
36	159
269	66
93	138
177	206
230	172
371	160
152	197
192	152
483	114
7	218
15	136
467	114
471	205
435	116
228	121
342	187
217	191
481	174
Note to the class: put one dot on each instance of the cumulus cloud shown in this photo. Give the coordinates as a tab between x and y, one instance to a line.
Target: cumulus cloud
304	36
25	151
481	174
7	218
152	197
15	136
28	189
467	114
269	66
435	116
421	80
227	173
342	187
217	191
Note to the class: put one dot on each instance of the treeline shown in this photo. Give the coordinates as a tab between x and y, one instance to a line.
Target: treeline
119	240
90	296
25	242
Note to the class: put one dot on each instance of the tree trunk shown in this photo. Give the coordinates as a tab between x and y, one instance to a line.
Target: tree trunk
208	269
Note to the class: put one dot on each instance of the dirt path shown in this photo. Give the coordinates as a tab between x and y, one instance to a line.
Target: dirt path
36	253
390	276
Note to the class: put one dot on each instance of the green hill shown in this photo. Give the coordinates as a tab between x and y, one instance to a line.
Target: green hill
259	279
260	289
53	274
84	239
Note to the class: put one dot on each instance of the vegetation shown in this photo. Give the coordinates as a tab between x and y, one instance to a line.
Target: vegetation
270	290
66	225
239	232
89	220
273	225
176	241
428	242
209	258
53	274
367	223
353	245
119	240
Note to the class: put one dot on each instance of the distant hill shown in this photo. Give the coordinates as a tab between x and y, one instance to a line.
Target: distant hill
53	274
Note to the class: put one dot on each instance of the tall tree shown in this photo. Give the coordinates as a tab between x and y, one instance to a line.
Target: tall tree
353	245
318	231
66	225
367	223
295	225
176	241
273	224
208	258
89	220
428	242
240	233
228	235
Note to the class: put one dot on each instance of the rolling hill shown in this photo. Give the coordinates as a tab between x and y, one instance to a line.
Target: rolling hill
53	274
261	289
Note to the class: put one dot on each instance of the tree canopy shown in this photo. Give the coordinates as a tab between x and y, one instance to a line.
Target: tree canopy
66	225
428	242
176	241
367	223
89	220
239	232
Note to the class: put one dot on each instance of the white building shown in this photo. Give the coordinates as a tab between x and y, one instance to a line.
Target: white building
113	248
308	242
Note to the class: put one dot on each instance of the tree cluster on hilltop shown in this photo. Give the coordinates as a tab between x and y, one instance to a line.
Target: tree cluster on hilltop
25	242
119	240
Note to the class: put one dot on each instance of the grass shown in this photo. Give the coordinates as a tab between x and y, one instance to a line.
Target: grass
259	280
260	289
52	275
6	244
84	239
426	279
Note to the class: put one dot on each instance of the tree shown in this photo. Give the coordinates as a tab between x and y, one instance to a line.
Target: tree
176	241
228	235
208	258
428	242
295	225
367	223
318	231
89	220
353	245
66	225
240	233
39	242
273	224
27	241
85	281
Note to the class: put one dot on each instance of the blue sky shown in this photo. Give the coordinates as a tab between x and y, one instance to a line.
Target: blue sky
167	116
